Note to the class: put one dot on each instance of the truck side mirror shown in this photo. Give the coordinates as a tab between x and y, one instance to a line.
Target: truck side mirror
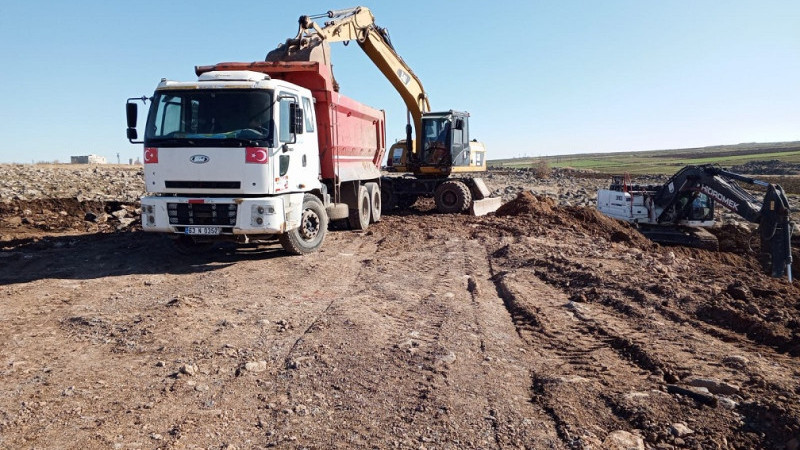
459	125
295	118
132	111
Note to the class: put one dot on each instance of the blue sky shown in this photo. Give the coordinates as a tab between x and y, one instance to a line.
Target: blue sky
538	77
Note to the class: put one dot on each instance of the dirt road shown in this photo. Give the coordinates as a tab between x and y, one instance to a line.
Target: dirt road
542	327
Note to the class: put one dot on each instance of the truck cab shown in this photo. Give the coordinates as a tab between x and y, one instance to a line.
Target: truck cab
230	154
257	151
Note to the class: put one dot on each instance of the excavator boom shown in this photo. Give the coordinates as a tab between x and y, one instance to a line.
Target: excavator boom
357	24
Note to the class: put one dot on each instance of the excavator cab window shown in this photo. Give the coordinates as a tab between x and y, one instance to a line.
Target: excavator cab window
702	208
437	140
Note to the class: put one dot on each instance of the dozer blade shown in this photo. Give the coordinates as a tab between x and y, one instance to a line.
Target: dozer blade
485	206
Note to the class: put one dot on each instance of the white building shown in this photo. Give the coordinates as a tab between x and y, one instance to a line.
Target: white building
88	159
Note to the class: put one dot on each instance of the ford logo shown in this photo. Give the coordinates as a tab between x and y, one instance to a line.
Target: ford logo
199	159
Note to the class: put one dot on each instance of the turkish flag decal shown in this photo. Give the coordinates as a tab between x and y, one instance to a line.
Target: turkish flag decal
150	155
256	155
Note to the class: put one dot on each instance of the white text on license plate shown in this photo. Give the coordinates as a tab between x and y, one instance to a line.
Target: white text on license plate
207	231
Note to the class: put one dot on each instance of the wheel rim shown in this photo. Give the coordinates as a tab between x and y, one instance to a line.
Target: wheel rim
365	208
309	228
449	198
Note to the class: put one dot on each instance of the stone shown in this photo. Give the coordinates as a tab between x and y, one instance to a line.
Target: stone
715	386
256	366
680	430
727	403
738	291
119	214
623	440
735	361
125	222
189	369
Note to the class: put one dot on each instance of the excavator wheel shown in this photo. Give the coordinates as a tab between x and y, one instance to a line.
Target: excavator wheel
388	200
452	197
359	217
374	201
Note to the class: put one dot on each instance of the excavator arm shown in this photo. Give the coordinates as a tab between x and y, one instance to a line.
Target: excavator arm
771	214
358	24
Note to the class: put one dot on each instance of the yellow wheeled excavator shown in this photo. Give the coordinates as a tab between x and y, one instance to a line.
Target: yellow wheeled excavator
437	157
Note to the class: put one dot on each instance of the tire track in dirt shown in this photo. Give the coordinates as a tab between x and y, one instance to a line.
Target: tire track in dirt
427	325
658	344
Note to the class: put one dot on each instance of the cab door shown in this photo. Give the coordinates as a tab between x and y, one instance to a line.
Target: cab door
297	167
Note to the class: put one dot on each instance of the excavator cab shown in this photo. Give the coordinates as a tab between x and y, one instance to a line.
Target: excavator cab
446	147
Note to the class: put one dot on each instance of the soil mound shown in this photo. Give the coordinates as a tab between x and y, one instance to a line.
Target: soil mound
526	204
21	219
589	221
735	239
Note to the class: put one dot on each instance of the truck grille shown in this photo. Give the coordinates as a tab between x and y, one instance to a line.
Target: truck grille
202	213
203	184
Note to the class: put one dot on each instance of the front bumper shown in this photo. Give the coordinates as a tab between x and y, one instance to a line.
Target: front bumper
223	216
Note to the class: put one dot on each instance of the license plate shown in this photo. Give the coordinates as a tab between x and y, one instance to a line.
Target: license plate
205	231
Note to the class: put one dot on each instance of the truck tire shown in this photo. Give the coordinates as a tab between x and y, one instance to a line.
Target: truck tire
309	236
374	201
452	197
359	216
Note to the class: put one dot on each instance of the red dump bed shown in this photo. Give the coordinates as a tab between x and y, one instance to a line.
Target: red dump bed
352	136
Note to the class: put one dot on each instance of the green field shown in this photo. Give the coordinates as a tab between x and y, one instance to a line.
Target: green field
662	161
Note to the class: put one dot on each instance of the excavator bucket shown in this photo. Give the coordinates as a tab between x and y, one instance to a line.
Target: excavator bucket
776	233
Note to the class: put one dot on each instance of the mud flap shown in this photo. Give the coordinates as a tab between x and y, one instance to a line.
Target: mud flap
485	206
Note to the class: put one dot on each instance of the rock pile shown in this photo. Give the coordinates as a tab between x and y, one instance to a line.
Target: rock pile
25	182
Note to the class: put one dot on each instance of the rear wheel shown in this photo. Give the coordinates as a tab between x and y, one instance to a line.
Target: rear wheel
452	197
374	201
359	217
308	237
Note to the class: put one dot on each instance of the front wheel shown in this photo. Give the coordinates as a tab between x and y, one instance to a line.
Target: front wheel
308	237
452	197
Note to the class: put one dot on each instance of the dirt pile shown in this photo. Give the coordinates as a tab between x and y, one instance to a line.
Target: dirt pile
769	167
526	203
543	210
23	219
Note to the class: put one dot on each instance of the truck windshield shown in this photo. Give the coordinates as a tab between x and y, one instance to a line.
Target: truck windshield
230	117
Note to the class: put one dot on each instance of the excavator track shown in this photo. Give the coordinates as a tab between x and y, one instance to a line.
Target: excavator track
684	236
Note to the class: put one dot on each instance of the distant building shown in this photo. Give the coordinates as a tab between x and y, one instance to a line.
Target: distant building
88	159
